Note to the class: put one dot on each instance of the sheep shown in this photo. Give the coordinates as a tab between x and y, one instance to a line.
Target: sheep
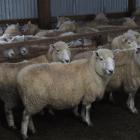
68	26
8	72
59	52
64	85
65	24
61	20
126	67
129	22
124	41
135	34
30	29
13	30
43	33
101	18
127	75
123	73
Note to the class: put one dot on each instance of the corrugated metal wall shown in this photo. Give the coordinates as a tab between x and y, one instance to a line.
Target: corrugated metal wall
18	9
137	3
84	7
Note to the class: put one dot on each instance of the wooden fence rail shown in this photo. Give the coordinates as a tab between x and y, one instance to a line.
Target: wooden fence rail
33	48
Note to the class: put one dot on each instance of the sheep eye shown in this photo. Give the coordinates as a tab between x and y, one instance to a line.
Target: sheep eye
57	50
101	58
129	42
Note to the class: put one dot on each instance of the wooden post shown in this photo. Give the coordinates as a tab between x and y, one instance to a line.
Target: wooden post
44	13
131	6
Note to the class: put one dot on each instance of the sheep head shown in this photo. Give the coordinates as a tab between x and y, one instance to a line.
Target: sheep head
104	62
60	52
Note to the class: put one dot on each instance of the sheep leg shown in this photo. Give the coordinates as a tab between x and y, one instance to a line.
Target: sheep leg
88	120
85	113
131	103
31	126
75	111
111	98
9	117
83	110
25	124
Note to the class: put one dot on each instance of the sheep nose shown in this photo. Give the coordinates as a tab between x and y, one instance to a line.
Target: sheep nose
57	27
67	60
111	71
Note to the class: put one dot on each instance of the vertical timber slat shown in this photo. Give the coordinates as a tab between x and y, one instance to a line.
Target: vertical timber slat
44	13
131	6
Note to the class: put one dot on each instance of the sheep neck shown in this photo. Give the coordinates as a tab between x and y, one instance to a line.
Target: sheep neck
92	66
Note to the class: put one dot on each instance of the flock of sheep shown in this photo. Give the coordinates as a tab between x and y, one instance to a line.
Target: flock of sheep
59	80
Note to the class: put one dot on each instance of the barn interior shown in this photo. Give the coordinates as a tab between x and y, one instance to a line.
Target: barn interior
90	25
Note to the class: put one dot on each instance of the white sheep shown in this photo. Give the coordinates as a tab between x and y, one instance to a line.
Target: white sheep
58	52
64	85
101	18
66	24
13	30
127	75
30	29
124	41
135	34
129	22
127	67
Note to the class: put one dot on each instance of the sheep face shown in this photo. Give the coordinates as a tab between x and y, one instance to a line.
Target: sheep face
105	64
135	34
60	52
129	42
30	29
61	20
13	29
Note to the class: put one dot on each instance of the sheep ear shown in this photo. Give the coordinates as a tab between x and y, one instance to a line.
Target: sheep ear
51	48
70	44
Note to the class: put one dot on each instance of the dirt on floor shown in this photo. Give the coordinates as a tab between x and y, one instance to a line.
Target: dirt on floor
110	122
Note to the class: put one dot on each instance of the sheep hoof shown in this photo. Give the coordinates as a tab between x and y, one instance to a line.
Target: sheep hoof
90	124
13	127
134	111
132	107
24	137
